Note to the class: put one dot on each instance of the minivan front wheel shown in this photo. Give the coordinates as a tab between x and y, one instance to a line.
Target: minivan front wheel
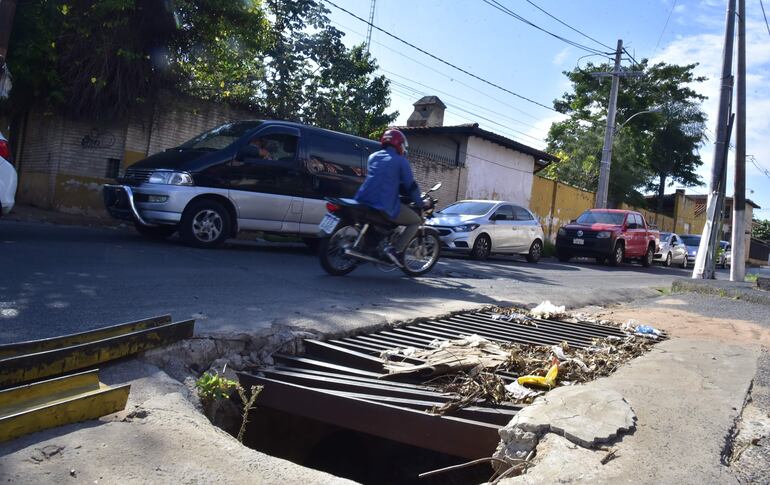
205	224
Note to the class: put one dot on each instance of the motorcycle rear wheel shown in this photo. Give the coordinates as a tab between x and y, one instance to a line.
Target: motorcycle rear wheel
421	254
331	250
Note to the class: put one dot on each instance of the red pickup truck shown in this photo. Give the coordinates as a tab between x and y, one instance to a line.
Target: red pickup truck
608	235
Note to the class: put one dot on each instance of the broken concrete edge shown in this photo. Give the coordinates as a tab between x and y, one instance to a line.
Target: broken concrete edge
587	417
724	289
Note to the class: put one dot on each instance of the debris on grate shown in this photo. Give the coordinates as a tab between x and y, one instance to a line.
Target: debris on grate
470	352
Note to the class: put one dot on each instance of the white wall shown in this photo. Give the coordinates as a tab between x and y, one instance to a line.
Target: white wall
498	173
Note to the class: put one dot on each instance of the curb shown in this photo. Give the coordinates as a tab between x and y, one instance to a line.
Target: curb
738	291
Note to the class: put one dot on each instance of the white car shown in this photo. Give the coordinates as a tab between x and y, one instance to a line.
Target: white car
485	227
8	178
672	250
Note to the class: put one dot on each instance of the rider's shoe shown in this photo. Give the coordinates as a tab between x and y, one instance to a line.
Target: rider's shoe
392	254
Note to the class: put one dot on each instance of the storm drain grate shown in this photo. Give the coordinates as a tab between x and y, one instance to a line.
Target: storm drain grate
343	382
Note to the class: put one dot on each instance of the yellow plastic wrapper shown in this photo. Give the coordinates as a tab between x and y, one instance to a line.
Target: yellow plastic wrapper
548	381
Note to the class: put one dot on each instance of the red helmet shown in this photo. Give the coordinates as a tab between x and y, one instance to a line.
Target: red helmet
396	139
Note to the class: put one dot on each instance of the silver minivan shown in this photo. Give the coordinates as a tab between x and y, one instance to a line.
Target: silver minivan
269	176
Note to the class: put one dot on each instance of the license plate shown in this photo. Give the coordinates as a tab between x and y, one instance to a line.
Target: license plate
328	223
577	242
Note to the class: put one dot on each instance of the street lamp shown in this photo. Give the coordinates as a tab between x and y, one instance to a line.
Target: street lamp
604	168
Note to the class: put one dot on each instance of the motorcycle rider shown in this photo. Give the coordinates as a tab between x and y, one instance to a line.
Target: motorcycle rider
388	175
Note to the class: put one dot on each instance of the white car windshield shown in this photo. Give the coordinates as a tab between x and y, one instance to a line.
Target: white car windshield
468	208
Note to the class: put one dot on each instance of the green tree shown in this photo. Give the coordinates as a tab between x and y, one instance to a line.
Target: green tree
651	152
760	229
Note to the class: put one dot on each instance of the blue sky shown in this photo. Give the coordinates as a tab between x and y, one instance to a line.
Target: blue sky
475	36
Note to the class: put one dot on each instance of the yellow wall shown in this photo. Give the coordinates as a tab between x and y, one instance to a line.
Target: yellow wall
555	203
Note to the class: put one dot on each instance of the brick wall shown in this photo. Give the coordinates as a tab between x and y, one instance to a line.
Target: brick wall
430	168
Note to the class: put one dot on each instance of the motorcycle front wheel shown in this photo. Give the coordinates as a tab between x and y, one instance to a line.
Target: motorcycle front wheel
331	250
421	254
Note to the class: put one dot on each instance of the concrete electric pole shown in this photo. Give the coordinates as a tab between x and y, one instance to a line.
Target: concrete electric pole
609	133
738	235
704	262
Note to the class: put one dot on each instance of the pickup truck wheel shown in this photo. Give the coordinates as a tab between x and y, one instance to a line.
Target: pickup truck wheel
648	256
533	256
205	224
618	253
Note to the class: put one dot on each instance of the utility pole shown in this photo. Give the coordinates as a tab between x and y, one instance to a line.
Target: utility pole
738	234
704	262
609	133
369	27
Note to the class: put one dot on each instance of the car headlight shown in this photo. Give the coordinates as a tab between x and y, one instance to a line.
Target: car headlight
562	231
466	228
168	177
603	235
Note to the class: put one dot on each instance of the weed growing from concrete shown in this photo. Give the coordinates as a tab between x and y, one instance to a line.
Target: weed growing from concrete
212	387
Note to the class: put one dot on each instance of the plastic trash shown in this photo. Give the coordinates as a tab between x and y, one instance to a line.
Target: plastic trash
548	381
647	330
547	310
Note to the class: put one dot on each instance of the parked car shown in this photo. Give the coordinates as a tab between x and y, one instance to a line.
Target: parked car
8	178
692	242
724	247
608	235
728	257
269	176
485	227
671	250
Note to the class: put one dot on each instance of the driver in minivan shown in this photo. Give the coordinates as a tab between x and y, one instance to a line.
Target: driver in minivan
261	144
388	175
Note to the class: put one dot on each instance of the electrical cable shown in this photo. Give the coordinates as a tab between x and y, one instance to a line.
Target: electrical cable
497	5
453	66
761	4
568	26
664	27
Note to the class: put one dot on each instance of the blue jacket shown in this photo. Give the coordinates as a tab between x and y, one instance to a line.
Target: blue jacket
388	175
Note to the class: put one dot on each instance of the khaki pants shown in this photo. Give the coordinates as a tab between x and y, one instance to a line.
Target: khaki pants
409	218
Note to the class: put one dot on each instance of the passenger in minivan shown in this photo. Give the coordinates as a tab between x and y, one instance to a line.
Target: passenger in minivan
262	145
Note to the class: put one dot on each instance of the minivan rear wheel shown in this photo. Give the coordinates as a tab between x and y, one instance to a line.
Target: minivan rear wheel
205	224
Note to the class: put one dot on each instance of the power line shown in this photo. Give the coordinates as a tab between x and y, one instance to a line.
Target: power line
761	4
497	5
451	78
569	26
453	66
664	27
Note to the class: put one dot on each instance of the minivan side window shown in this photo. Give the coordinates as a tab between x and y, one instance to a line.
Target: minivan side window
276	146
334	156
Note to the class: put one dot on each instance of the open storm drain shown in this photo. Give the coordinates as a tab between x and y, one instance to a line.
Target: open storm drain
339	408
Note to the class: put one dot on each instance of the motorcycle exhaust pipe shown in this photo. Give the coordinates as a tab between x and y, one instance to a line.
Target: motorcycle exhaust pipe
357	255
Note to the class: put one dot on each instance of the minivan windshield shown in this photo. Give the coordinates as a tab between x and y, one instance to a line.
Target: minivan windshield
221	136
468	208
589	217
691	240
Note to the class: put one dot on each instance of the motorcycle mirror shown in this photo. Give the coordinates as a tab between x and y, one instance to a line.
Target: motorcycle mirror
435	187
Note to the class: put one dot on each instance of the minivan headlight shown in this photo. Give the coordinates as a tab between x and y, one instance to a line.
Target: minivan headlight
603	234
168	177
466	228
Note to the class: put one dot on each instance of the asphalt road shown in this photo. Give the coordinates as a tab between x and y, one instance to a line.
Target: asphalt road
63	279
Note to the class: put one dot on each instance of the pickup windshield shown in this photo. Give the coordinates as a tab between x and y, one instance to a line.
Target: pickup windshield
221	136
601	218
468	208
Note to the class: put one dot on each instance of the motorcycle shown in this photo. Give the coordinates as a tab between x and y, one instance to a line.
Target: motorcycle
353	234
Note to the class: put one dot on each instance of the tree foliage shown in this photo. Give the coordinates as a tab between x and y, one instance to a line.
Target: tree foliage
280	58
651	152
760	229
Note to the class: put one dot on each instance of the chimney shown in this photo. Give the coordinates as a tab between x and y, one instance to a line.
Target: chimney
428	111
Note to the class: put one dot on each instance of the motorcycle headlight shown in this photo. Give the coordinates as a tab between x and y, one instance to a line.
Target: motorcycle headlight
603	234
562	231
168	177
466	228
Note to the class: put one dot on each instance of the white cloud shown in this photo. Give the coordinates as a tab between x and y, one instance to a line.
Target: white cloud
679	8
561	56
